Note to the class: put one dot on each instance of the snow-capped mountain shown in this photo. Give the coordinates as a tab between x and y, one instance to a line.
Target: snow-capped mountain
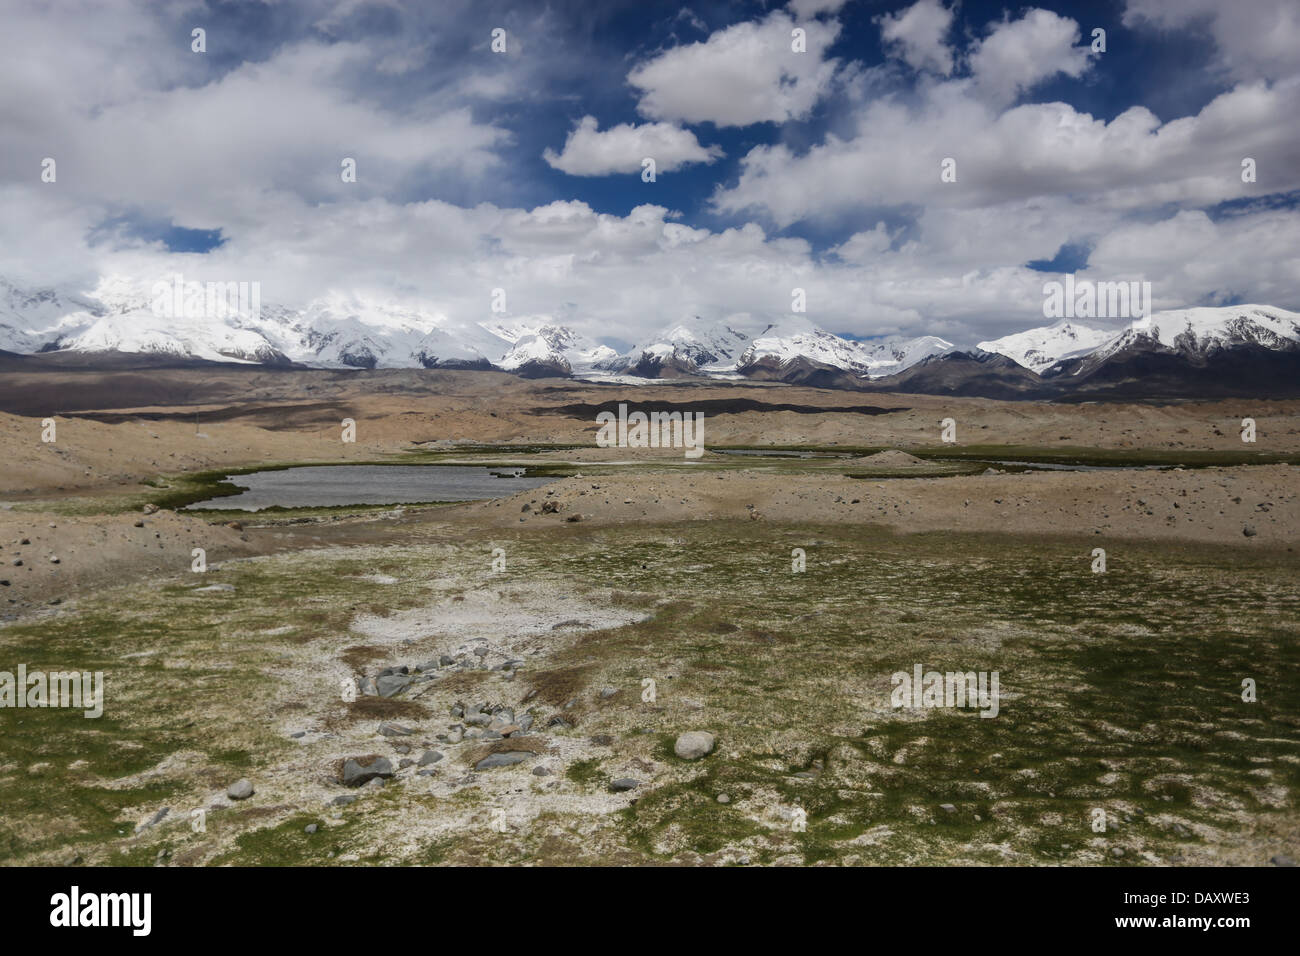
1190	333
772	350
541	345
687	348
1039	349
1175	352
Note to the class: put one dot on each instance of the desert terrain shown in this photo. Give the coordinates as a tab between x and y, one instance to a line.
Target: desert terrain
509	680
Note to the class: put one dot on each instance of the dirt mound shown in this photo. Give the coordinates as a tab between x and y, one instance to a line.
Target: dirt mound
891	458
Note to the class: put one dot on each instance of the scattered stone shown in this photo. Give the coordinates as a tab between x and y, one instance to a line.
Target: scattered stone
607	692
310	828
1117	851
1249	531
150	508
1282	860
389	729
541	772
947	808
694	744
623	784
501	760
723	798
361	770
390	685
342	800
430	756
153	820
240	790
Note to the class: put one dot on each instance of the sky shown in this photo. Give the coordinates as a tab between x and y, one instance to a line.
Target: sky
796	145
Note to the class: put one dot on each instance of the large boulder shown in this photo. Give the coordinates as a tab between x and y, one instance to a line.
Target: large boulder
694	744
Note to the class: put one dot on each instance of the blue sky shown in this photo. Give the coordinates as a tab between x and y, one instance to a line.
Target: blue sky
521	170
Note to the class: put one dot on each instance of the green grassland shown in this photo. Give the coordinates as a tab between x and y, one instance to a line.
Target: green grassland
1120	691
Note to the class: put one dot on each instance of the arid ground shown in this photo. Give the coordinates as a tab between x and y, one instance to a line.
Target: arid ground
557	642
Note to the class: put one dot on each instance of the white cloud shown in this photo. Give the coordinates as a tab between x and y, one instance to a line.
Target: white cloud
1256	39
918	34
1019	54
807	9
621	149
1032	150
745	74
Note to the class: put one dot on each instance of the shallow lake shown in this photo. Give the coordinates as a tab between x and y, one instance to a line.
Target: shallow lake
320	486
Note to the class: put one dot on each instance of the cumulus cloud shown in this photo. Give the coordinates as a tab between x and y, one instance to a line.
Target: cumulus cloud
1019	54
1032	150
918	35
1256	39
747	73
251	144
620	149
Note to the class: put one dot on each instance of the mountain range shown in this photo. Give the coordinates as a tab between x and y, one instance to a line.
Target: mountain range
1198	352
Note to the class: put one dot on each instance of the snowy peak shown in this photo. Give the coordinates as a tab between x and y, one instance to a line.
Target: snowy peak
1192	333
1041	348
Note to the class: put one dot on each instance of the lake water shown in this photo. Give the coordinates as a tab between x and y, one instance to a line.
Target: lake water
313	486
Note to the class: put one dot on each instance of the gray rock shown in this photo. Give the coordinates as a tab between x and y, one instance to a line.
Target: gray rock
366	687
947	808
501	760
607	692
1117	851
390	685
404	763
623	783
153	820
356	773
310	828
342	800
389	729
1249	531
446	660
377	783
240	790
1282	860
694	744
430	756
541	772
